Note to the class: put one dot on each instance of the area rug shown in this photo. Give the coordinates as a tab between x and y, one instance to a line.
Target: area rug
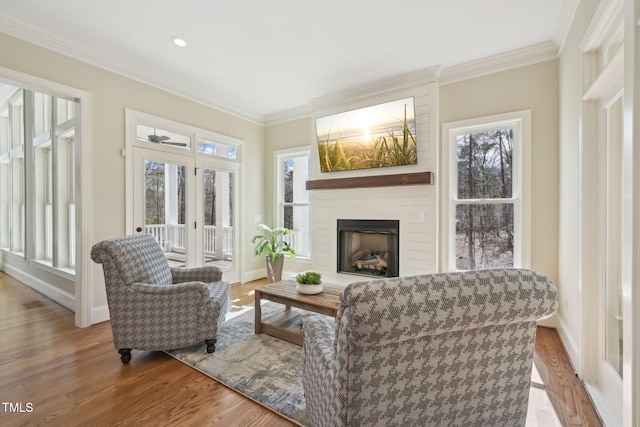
265	369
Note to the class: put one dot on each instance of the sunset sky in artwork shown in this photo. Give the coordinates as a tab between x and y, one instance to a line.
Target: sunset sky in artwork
364	119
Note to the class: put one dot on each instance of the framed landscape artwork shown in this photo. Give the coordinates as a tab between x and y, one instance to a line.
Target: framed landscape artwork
379	136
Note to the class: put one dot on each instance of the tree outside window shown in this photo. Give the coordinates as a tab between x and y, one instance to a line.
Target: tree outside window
486	193
484	212
294	207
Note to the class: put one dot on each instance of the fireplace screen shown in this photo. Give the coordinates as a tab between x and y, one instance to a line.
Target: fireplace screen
368	247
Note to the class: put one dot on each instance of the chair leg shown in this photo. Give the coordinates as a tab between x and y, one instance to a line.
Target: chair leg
125	354
211	345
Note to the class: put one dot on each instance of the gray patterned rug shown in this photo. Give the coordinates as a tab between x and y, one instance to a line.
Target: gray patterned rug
265	369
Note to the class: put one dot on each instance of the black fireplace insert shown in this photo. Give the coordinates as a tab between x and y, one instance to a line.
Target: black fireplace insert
368	247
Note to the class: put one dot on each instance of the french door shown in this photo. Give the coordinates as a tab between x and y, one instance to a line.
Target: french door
188	204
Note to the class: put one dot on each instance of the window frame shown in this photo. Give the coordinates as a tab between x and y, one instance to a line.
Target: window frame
520	121
279	156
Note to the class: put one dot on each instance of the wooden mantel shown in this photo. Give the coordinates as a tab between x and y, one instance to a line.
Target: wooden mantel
416	178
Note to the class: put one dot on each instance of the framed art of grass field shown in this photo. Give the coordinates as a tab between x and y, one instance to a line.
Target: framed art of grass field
378	136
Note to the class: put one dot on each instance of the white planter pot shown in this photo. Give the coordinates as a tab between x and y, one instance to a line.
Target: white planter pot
309	289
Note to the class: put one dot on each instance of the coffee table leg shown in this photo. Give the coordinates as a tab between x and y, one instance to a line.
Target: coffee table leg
258	311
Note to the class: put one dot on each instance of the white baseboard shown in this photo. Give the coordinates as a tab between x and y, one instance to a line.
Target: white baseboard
54	293
569	344
252	275
550	322
100	314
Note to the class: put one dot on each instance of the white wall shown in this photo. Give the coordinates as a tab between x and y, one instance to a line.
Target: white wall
110	95
533	87
414	206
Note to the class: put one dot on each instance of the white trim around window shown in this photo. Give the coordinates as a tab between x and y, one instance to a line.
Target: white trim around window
300	203
520	122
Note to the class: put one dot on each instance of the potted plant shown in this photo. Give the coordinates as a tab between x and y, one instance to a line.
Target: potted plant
271	243
309	283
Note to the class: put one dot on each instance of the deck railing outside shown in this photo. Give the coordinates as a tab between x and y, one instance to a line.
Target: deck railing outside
172	237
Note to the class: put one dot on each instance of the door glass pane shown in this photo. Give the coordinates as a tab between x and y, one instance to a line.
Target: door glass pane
613	247
165	205
218	217
484	236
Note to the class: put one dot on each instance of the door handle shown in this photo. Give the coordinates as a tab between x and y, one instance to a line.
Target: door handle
139	229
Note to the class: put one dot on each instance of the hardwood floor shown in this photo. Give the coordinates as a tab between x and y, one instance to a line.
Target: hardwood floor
54	374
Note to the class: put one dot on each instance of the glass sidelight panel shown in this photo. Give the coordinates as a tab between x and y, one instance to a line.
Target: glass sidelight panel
613	238
165	208
218	211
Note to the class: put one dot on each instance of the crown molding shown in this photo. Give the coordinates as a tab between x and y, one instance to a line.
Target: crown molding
19	29
502	62
373	90
22	30
288	115
567	17
608	15
357	94
493	64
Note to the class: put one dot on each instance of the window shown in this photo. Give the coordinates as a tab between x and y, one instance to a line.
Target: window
163	137
44	160
217	149
293	198
12	170
36	143
485	193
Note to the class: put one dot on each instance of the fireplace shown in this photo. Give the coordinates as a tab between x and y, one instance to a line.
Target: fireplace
368	247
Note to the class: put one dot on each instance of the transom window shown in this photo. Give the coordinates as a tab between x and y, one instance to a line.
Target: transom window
217	149
162	137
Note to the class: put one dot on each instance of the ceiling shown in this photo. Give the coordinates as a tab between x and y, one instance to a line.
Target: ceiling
256	58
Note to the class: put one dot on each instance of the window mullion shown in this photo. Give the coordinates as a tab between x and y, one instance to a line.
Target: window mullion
485	201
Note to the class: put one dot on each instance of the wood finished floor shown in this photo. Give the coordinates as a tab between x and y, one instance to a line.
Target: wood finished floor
54	374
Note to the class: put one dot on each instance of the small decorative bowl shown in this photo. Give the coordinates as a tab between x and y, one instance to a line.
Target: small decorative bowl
309	289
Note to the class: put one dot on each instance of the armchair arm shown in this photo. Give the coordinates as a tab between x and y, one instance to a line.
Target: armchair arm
207	274
197	288
319	334
319	369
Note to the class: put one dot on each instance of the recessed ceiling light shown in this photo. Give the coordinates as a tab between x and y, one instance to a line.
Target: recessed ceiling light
178	41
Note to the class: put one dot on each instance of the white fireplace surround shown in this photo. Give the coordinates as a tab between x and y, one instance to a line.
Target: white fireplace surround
414	206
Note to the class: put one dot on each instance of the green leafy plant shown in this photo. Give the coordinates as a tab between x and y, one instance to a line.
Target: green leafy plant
309	278
271	243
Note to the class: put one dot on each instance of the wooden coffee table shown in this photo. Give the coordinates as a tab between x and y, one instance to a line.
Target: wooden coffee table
287	324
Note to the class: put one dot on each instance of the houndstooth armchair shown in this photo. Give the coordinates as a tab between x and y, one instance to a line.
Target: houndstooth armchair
450	349
154	306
